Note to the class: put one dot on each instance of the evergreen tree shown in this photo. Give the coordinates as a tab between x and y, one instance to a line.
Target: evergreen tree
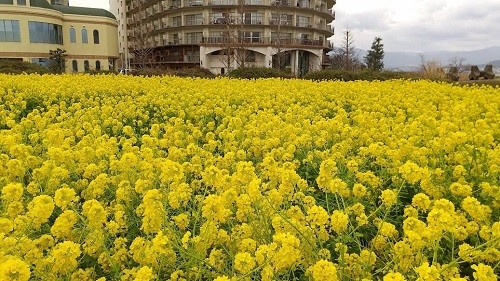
375	58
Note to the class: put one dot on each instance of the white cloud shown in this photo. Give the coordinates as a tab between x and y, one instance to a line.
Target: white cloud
424	25
103	4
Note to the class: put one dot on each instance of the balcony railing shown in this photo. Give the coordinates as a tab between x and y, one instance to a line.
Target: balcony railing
195	22
221	40
257	19
287	3
222	2
179	59
192	3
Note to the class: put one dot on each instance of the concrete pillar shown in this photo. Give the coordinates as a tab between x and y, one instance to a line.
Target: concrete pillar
269	57
296	63
203	57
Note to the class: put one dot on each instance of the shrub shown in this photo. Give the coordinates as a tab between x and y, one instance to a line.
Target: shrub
367	75
259	72
183	72
19	67
98	72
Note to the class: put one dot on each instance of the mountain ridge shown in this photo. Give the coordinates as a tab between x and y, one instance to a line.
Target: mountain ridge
413	60
405	60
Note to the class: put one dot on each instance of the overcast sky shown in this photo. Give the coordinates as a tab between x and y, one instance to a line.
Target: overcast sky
418	25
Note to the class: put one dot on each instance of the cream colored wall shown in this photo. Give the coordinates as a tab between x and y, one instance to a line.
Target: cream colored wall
108	37
24	14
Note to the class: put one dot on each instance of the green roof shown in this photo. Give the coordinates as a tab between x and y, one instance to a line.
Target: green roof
84	11
41	4
67	9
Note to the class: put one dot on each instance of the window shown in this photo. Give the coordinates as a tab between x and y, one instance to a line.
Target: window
194	38
72	35
252	36
9	31
193	56
196	19
281	38
85	36
21	2
253	18
176	21
303	3
303	21
43	32
97	65
222	18
176	38
41	61
75	65
194	3
86	65
281	19
96	36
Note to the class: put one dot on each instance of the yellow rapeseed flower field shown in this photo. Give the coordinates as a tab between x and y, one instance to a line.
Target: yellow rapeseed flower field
132	178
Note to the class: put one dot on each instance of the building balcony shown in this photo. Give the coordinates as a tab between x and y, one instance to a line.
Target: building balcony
168	59
282	42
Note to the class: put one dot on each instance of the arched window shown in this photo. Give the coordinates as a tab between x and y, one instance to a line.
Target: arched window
97	65
72	35
86	65
96	36
75	65
85	36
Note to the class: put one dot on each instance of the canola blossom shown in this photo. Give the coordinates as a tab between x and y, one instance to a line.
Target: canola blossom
133	178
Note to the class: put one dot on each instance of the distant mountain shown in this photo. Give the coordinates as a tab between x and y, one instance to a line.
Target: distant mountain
406	60
412	61
495	63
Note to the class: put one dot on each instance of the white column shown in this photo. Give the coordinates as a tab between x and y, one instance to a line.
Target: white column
296	63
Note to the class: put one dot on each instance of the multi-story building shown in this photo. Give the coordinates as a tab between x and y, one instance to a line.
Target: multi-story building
221	35
119	9
30	29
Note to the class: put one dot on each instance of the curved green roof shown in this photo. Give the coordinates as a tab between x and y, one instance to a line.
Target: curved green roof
69	9
83	11
40	4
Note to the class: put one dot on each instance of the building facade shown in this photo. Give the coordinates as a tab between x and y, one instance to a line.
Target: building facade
119	10
29	29
221	35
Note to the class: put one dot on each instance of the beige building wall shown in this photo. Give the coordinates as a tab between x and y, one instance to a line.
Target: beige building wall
119	10
106	52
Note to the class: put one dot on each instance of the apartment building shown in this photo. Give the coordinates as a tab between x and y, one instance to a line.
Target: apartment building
221	35
29	29
119	10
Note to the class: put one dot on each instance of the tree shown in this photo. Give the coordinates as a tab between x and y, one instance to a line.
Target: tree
233	41
141	43
458	62
278	19
374	60
346	57
57	60
431	69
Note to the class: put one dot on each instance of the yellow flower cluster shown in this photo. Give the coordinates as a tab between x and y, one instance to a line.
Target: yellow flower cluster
133	178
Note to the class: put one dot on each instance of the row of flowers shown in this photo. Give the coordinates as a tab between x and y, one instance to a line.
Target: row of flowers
131	178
